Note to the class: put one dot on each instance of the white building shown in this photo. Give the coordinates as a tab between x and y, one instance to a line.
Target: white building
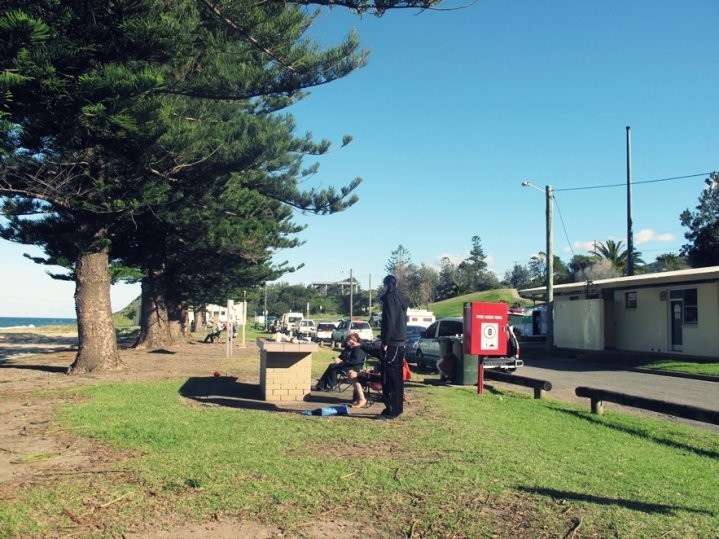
675	311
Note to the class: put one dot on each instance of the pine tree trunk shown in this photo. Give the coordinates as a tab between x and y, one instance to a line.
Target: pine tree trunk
184	321
199	318
160	323
96	332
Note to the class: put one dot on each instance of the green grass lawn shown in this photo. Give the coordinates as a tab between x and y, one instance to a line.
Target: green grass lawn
457	465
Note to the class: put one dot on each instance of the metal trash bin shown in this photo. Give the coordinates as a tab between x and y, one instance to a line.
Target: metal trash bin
465	367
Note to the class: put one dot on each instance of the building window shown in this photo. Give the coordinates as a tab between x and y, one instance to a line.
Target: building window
630	300
691	310
689	303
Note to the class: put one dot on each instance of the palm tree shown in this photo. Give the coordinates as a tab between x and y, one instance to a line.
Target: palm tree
615	253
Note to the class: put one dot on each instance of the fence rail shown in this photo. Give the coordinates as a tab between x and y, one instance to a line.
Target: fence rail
686	411
539	386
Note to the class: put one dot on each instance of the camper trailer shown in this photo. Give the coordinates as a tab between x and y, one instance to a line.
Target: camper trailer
420	317
415	317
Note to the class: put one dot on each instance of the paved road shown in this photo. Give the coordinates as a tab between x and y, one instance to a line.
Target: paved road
565	376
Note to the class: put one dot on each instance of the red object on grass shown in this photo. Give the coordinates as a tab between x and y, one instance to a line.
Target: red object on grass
217	373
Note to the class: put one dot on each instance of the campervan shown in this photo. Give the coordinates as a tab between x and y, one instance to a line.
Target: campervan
289	322
420	317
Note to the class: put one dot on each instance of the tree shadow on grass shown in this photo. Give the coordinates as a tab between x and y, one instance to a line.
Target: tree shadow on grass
227	391
639	432
602	500
44	368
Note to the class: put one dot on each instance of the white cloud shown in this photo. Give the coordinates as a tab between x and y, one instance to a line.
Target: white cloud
581	246
647	234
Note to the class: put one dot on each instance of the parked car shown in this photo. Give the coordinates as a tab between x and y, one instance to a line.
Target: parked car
289	321
346	327
427	348
375	320
306	329
270	323
410	346
324	332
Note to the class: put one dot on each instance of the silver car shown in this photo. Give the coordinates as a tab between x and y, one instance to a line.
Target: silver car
347	327
427	349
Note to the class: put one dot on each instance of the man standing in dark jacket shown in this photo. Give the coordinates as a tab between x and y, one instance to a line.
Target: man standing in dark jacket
393	336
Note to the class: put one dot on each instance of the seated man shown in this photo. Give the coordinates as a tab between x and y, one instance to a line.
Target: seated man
215	333
351	358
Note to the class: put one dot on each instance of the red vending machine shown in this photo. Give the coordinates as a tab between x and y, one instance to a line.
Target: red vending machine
485	333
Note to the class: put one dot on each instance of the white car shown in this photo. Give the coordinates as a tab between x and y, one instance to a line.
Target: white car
324	332
306	329
347	327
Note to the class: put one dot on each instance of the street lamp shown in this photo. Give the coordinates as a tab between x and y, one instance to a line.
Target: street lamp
550	261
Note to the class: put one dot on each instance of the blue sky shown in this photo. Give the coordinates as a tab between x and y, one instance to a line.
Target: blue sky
456	108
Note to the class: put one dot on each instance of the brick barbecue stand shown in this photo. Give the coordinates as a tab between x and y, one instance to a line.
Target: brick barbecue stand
285	369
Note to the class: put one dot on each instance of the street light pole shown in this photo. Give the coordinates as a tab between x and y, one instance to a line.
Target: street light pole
550	267
549	194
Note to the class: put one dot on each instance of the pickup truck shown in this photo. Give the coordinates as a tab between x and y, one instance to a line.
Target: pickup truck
428	354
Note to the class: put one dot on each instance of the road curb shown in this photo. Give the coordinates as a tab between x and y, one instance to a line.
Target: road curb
675	374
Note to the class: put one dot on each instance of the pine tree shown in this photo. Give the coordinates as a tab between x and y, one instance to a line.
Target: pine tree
106	109
703	224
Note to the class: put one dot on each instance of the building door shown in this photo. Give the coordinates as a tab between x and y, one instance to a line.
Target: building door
676	317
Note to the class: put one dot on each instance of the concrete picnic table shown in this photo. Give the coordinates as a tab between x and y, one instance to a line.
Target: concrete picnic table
285	369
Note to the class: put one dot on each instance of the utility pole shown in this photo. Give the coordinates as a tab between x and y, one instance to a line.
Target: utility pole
549	305
630	234
550	267
264	318
351	296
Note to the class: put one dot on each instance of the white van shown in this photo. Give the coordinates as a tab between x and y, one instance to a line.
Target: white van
289	322
420	317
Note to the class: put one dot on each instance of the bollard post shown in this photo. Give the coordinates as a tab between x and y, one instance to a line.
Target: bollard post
480	376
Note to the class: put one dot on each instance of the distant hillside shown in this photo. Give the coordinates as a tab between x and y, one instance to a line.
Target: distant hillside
455	306
127	316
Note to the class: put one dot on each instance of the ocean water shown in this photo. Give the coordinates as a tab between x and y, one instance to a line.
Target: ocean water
33	322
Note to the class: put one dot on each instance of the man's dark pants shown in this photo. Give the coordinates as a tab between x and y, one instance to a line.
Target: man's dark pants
392	381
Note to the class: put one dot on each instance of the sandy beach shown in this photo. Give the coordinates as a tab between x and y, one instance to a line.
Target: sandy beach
18	342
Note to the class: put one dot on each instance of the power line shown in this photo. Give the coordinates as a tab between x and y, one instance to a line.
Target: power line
635	183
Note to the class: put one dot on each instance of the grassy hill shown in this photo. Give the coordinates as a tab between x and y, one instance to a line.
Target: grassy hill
126	317
455	306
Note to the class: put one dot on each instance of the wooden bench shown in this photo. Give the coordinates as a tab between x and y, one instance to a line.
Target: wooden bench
686	411
539	386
